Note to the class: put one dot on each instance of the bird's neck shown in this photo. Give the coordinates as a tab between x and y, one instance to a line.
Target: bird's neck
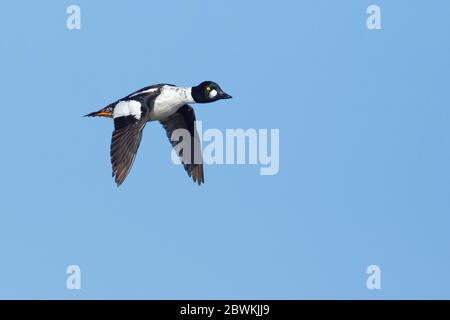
188	95
197	95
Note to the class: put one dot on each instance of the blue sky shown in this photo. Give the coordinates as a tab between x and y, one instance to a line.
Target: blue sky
364	151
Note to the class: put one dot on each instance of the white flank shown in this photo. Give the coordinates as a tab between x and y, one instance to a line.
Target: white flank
127	108
169	101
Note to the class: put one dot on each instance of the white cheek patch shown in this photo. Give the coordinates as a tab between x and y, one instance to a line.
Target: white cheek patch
127	108
212	93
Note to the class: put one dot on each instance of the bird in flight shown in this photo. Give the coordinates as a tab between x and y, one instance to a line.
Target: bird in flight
168	104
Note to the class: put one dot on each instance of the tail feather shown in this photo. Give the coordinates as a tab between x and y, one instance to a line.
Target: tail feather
105	112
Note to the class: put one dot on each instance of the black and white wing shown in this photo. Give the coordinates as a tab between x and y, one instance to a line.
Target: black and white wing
129	121
184	118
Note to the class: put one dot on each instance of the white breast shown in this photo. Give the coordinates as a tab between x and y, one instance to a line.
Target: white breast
169	101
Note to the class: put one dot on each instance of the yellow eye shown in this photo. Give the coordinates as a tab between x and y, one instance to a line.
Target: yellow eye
208	88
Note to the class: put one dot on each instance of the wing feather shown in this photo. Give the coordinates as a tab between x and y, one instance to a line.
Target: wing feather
184	118
124	146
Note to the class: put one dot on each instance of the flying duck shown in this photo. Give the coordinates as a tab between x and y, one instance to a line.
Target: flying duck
166	103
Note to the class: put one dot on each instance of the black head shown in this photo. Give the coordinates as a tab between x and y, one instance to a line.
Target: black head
208	91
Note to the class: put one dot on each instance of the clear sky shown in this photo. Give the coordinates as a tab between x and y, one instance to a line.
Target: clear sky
364	151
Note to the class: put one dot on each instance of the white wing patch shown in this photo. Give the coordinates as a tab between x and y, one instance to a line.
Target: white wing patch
127	108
